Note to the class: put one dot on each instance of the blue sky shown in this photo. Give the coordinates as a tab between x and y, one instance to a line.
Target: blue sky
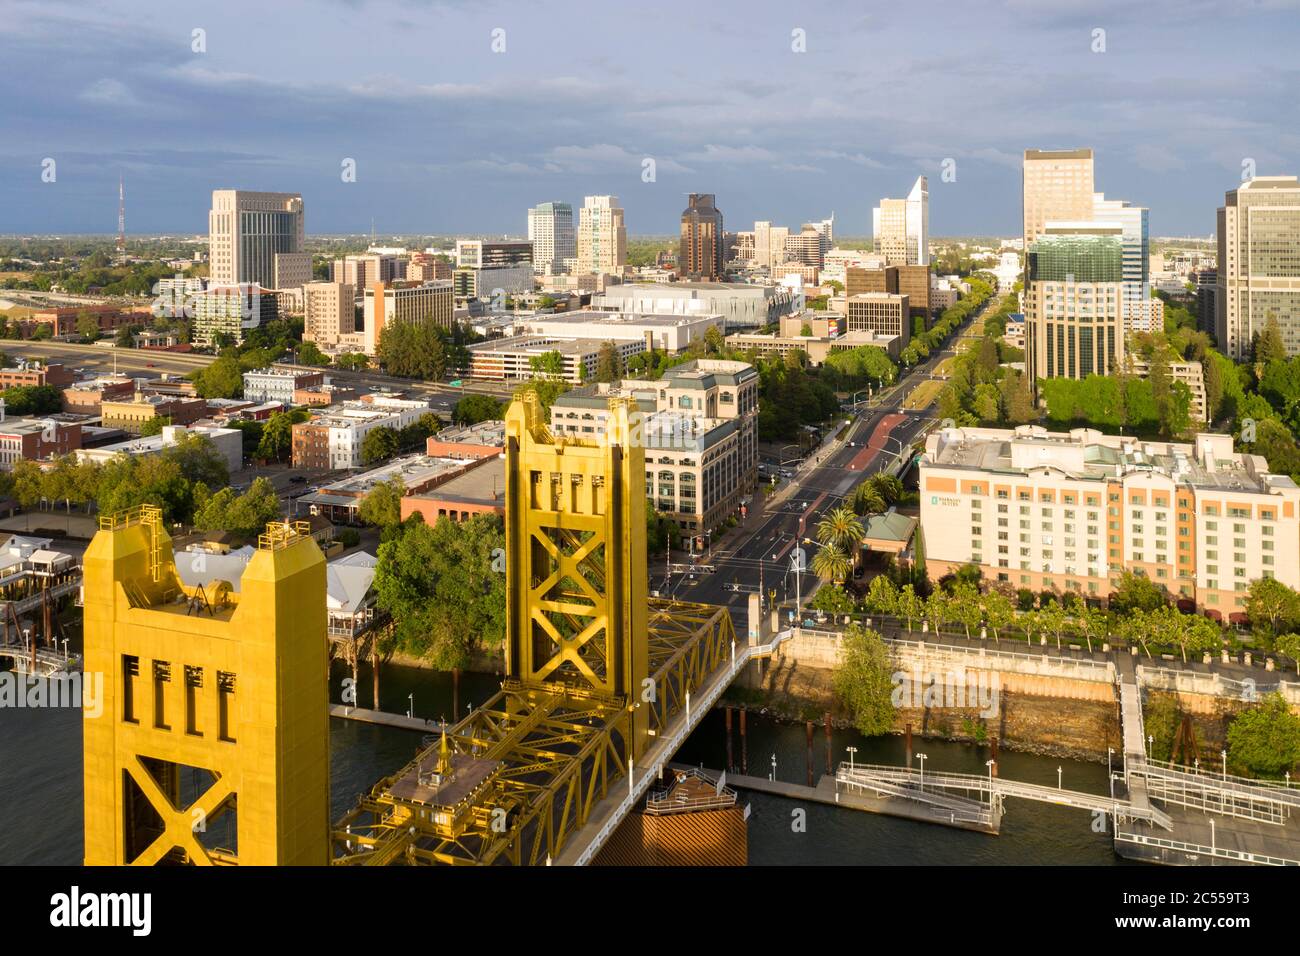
449	136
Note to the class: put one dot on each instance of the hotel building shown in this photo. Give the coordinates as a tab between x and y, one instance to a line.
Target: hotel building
1057	184
1070	511
602	237
555	243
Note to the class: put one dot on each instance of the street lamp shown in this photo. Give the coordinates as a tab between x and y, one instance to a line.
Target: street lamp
1151	741
989	764
921	757
1110	752
1224	753
1059	771
773	777
410	708
852	751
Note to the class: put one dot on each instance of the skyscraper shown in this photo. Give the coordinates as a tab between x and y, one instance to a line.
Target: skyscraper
550	228
1137	246
1057	186
699	254
602	237
769	245
1259	264
1073	301
901	227
247	230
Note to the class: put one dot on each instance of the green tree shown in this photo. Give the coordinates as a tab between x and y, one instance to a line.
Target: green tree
87	327
911	606
547	365
842	530
609	364
472	409
444	588
832	599
245	514
222	379
1136	592
1264	739
383	505
380	444
882	596
863	681
1268	344
1272	606
155	425
276	442
998	612
1289	644
831	564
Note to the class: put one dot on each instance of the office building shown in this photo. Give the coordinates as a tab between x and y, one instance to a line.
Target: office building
769	245
882	313
329	313
223	314
741	306
911	281
278	384
1071	511
669	333
247	230
1073	300
425	266
699	429
493	254
1057	185
1138	314
554	239
388	304
1259	264
900	228
516	357
602	236
360	271
700	256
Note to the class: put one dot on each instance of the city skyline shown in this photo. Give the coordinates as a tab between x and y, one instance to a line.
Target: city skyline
774	133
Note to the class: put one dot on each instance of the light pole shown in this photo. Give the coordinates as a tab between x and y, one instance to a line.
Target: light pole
852	751
410	707
1224	753
989	764
1151	741
921	757
773	777
1110	752
1059	772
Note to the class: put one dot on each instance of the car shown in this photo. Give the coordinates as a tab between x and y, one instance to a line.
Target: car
150	365
298	479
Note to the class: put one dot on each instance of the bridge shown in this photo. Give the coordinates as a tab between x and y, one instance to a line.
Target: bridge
603	684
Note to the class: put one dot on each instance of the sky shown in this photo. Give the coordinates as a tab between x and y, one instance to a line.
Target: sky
786	111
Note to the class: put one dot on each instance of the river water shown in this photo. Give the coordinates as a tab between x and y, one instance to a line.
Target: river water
41	786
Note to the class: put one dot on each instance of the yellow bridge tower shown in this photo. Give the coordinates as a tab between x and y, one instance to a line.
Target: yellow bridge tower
212	746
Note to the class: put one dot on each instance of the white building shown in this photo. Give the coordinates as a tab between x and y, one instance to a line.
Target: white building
554	239
229	442
247	230
666	333
901	227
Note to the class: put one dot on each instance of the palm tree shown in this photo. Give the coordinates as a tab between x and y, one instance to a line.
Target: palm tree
867	500
831	564
887	486
841	529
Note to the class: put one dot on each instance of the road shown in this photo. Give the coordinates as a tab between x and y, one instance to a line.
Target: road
758	554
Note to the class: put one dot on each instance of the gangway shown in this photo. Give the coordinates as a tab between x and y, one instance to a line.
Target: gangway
998	788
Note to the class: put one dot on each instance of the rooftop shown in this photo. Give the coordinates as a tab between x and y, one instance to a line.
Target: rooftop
1087	454
414	470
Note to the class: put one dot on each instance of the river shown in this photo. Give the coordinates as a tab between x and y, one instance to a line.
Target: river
41	785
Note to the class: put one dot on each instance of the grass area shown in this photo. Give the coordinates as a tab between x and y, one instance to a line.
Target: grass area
944	367
924	394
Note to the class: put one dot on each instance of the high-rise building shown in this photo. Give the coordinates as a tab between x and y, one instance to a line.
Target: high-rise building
1073	301
246	230
1057	186
550	229
901	227
1138	315
699	255
769	245
493	254
602	237
1259	264
387	304
329	312
808	248
360	271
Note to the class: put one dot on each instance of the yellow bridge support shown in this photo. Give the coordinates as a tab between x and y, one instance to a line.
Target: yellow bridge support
212	746
594	669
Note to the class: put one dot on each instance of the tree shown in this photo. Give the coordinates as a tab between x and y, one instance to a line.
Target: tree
155	425
547	365
910	605
998	612
965	606
380	444
245	514
842	530
309	353
1136	592
831	564
444	588
472	409
867	500
1272	606
1289	644
1091	623
609	364
276	442
863	681
545	392
832	599
222	379
1268	344
1264	740
383	505
882	595
87	327
937	610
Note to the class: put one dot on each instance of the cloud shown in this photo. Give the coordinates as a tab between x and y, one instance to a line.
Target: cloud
109	92
1156	158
